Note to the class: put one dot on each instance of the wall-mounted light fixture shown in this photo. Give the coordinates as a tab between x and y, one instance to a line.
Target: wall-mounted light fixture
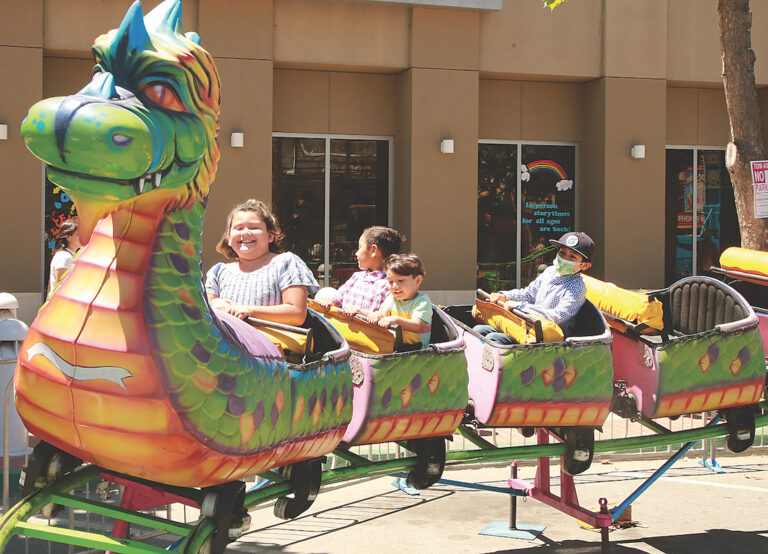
3	131
236	140
637	151
446	146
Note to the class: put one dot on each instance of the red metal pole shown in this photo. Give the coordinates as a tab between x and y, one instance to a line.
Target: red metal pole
606	543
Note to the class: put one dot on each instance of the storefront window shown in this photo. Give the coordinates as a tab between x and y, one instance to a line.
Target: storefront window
497	216
548	203
513	245
323	212
715	226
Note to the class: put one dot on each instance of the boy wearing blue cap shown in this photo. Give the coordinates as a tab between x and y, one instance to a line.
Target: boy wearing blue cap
558	293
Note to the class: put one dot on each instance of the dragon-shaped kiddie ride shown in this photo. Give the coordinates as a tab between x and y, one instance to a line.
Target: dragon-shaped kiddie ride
126	366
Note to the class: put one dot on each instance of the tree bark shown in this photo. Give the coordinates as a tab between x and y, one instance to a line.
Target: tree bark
747	142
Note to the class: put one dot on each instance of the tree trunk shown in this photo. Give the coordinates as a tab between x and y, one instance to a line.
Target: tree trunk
747	142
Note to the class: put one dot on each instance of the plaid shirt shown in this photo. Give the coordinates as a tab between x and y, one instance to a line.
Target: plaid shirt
365	290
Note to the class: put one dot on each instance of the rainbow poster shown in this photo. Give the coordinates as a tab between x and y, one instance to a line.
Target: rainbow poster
549	166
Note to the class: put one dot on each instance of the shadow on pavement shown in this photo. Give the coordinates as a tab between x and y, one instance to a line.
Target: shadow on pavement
714	541
275	538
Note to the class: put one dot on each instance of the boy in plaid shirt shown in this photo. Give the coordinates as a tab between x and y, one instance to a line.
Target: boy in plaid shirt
366	290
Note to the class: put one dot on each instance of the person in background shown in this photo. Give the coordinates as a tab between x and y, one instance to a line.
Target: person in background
66	245
262	281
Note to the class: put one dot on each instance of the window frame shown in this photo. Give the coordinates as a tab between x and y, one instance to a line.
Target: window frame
519	189
695	201
327	137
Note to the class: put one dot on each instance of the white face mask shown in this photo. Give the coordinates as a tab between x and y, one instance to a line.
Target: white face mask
564	267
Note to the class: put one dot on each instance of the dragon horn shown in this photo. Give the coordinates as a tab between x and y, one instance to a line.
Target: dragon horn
165	18
132	35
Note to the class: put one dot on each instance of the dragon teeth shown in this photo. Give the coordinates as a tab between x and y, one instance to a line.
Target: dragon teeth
153	178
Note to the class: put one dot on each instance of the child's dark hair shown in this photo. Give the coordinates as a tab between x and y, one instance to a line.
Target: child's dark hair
262	210
387	239
405	264
63	233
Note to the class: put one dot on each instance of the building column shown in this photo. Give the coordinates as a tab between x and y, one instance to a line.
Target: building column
621	202
21	57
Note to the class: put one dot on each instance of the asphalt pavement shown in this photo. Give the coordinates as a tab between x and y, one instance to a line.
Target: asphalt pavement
690	509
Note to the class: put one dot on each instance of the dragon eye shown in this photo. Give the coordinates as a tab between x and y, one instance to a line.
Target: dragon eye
163	96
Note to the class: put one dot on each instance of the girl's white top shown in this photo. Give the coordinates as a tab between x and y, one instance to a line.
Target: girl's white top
61	260
263	286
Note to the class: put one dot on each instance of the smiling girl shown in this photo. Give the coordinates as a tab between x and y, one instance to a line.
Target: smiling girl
262	281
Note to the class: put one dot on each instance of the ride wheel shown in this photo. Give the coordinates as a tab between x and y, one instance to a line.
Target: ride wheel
581	448
741	427
46	465
431	462
305	478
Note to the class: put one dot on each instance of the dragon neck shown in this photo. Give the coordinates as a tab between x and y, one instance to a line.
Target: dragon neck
151	246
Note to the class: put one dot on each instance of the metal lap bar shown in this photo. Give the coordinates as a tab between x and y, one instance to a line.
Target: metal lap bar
396	330
740	274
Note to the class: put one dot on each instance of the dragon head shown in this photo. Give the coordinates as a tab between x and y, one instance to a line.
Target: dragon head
146	124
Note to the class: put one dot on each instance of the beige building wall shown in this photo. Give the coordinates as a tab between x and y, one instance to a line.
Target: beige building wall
633	234
602	75
21	57
443	195
696	117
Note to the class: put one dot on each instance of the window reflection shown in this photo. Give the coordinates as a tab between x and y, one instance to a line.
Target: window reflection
715	225
548	203
497	216
547	210
358	192
298	190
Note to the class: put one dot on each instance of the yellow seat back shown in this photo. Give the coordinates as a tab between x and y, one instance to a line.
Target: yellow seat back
631	306
295	347
745	261
513	326
362	336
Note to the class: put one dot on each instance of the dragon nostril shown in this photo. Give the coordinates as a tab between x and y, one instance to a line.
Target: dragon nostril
121	140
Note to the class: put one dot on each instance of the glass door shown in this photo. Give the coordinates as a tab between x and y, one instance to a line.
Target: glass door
701	218
525	197
326	190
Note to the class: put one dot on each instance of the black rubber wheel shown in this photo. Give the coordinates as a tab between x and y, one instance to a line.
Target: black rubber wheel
33	476
46	464
527	432
228	512
741	428
581	448
431	462
305	478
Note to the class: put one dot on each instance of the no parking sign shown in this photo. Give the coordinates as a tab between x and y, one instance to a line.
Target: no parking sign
760	182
